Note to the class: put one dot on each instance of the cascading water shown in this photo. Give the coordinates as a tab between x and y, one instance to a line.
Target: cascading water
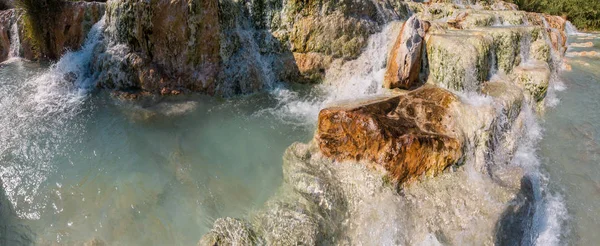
514	148
570	28
345	80
15	41
54	97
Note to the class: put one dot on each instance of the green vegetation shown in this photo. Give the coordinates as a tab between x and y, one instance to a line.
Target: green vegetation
584	14
40	21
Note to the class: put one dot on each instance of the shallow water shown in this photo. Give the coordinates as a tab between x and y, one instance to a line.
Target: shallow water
157	172
571	144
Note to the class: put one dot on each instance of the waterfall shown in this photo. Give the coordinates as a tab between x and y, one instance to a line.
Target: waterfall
40	105
525	46
15	41
344	80
570	29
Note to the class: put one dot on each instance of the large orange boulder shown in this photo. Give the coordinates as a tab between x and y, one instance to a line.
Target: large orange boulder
409	135
404	63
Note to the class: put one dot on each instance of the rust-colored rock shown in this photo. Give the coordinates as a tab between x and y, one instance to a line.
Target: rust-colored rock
404	63
312	65
409	135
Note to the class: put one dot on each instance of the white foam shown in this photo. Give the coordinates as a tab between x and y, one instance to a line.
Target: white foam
15	41
345	80
40	106
570	28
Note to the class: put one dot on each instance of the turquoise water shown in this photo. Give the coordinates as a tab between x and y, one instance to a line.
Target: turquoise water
83	165
571	144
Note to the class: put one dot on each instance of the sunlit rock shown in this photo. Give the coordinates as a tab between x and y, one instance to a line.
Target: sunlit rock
460	59
330	29
404	62
481	18
540	50
167	45
409	135
313	65
510	43
534	78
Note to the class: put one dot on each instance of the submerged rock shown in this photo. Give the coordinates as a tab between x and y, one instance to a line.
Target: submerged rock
409	135
404	63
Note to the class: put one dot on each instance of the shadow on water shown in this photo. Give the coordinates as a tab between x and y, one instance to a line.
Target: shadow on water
12	232
516	222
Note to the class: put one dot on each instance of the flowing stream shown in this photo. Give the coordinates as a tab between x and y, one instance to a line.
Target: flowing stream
78	164
571	144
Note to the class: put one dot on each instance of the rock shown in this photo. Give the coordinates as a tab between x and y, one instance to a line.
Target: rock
404	63
481	18
509	43
229	231
534	78
318	31
6	20
556	28
409	135
459	59
74	22
510	97
583	54
312	65
167	45
558	40
540	50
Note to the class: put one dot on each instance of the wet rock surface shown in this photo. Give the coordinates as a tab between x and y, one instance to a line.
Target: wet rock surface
167	46
74	22
404	63
409	135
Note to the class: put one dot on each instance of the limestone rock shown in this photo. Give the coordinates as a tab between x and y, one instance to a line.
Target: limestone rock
409	135
6	21
175	44
481	18
510	42
229	231
534	78
404	63
331	29
459	59
74	22
312	65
